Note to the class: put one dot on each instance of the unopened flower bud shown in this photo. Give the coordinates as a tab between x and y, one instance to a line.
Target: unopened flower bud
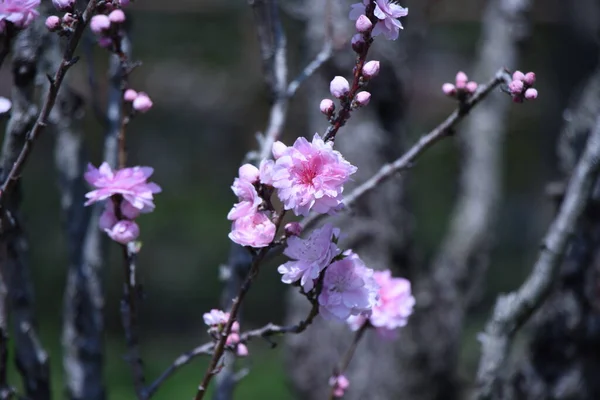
130	95
293	229
278	149
129	211
117	16
248	172
471	87
5	105
124	232
461	80
63	5
529	78
516	87
531	94
52	23
339	87
326	106
363	98
358	43
107	219
99	23
370	69
518	76
142	103
242	350
68	19
363	24
449	89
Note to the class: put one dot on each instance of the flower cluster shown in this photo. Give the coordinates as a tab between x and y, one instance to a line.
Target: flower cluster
18	13
521	87
130	190
216	320
462	87
339	384
386	15
395	305
140	102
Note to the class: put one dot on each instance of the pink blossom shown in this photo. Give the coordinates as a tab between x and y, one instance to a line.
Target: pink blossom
249	200
516	87
130	95
124	231
531	94
363	23
395	305
386	12
278	149
327	107
310	256
117	16
131	183
529	78
348	289
293	229
339	87
99	23
215	317
254	230
311	176
63	5
108	218
339	384
449	89
52	23
20	12
142	103
363	98
471	87
265	172
248	172
461	80
518	76
371	69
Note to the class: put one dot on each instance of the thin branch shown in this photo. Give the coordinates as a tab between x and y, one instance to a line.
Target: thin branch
514	309
444	130
265	332
343	365
5	389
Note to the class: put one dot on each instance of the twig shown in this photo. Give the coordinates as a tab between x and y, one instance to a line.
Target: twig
343	365
514	309
445	129
264	332
55	82
4	387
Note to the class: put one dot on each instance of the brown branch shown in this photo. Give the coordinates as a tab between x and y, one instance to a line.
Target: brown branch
442	131
514	309
345	362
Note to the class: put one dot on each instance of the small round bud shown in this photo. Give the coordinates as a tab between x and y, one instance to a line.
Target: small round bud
241	350
327	107
248	172
124	231
117	16
5	105
518	76
370	69
52	23
461	80
471	87
358	43
529	78
293	229
449	89
339	87
362	98
63	5
142	103
531	94
99	23
130	95
363	24
278	149
68	19
516	87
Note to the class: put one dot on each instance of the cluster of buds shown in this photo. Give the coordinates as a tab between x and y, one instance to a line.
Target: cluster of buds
108	27
462	88
140	102
339	385
521	87
216	321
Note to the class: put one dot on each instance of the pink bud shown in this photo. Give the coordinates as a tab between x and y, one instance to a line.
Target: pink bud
293	229
516	87
235	327
130	95
52	23
529	78
142	103
124	232
358	43
129	211
339	87
107	219
63	5
531	94
461	80
117	16
471	87
278	149
242	350
449	89
363	98
327	106
68	18
518	76
99	23
363	24
248	172
370	69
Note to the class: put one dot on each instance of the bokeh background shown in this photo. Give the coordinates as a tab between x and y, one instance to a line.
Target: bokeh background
202	68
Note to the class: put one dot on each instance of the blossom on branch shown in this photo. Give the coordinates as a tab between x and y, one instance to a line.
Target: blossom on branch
310	256
18	12
215	317
387	14
311	176
520	88
339	384
254	230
